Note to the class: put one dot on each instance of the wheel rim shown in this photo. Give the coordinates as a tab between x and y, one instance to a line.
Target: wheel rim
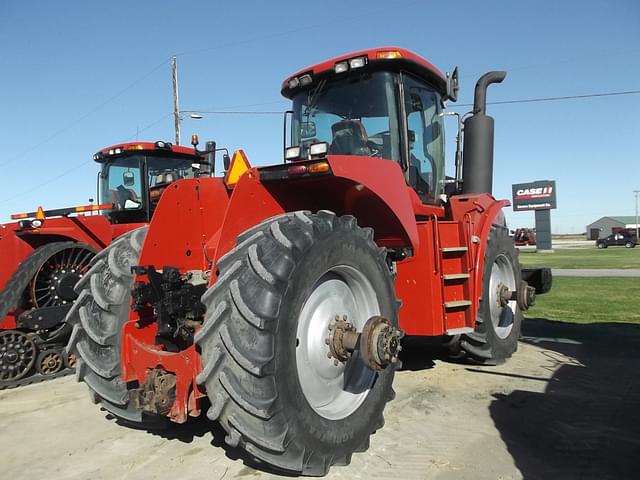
502	275
50	362
53	283
17	355
334	391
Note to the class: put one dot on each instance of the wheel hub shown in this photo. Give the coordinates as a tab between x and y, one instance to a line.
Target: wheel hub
11	356
64	286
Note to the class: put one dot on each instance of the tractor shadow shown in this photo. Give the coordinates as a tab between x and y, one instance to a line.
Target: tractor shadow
585	425
419	353
199	428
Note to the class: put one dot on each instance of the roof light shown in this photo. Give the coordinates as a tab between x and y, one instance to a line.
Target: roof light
320	167
318	149
388	54
357	62
305	80
294	82
36	223
135	147
118	150
341	67
292	153
297	170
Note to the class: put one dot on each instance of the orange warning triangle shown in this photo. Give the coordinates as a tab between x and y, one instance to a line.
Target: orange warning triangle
239	165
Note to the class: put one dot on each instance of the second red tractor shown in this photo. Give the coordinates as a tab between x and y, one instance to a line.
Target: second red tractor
44	253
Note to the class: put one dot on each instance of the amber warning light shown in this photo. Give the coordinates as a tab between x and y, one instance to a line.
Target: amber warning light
41	214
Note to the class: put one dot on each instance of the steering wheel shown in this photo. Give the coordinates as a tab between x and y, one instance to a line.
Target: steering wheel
376	149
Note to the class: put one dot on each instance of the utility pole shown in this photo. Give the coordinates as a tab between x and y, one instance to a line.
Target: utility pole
637	226
176	100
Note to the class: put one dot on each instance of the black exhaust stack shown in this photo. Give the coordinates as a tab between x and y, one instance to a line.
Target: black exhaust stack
477	169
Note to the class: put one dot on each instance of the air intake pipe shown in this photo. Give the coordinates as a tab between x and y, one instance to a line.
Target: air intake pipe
477	167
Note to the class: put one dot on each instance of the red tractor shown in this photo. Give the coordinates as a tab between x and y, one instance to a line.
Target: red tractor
524	236
279	299
45	253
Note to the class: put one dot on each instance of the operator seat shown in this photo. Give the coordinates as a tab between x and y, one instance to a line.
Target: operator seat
121	194
162	180
349	138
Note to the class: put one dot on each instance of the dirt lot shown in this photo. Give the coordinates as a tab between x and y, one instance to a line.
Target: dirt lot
565	407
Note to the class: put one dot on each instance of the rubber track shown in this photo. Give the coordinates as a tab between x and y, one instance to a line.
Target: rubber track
237	340
37	378
19	281
97	317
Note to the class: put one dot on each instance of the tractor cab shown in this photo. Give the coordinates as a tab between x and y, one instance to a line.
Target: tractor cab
384	103
134	175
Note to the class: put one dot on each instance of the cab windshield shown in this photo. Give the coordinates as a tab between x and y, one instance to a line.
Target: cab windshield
136	182
355	116
359	115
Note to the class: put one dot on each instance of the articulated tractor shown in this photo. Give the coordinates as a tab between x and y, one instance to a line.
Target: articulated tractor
276	298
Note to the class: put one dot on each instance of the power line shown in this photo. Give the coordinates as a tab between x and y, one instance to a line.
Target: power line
303	29
235	112
89	113
553	99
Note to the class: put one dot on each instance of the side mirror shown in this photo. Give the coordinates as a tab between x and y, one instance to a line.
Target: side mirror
307	129
226	161
453	85
128	179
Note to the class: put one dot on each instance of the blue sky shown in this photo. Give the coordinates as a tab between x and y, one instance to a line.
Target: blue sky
77	76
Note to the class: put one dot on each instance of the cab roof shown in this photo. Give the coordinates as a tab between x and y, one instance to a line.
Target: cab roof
389	58
146	146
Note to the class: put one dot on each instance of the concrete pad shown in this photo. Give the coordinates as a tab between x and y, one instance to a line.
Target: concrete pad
565	406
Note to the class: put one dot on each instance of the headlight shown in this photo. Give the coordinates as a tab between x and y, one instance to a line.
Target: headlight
292	153
318	149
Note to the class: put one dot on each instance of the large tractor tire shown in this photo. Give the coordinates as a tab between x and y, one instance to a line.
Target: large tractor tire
498	326
265	360
97	317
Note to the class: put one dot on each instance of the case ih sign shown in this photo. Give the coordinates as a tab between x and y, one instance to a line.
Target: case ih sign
540	195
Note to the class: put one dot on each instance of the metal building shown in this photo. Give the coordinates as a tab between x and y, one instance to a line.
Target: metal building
605	225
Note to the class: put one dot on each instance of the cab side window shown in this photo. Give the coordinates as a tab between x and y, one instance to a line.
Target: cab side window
425	138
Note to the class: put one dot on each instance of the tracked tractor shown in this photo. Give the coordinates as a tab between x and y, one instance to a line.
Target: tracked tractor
44	253
277	298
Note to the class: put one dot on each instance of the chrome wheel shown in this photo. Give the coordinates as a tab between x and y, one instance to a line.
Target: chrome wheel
503	311
334	389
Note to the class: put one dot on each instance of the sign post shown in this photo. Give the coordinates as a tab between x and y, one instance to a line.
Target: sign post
539	196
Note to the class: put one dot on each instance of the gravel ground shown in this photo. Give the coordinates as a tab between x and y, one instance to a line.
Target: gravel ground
564	407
